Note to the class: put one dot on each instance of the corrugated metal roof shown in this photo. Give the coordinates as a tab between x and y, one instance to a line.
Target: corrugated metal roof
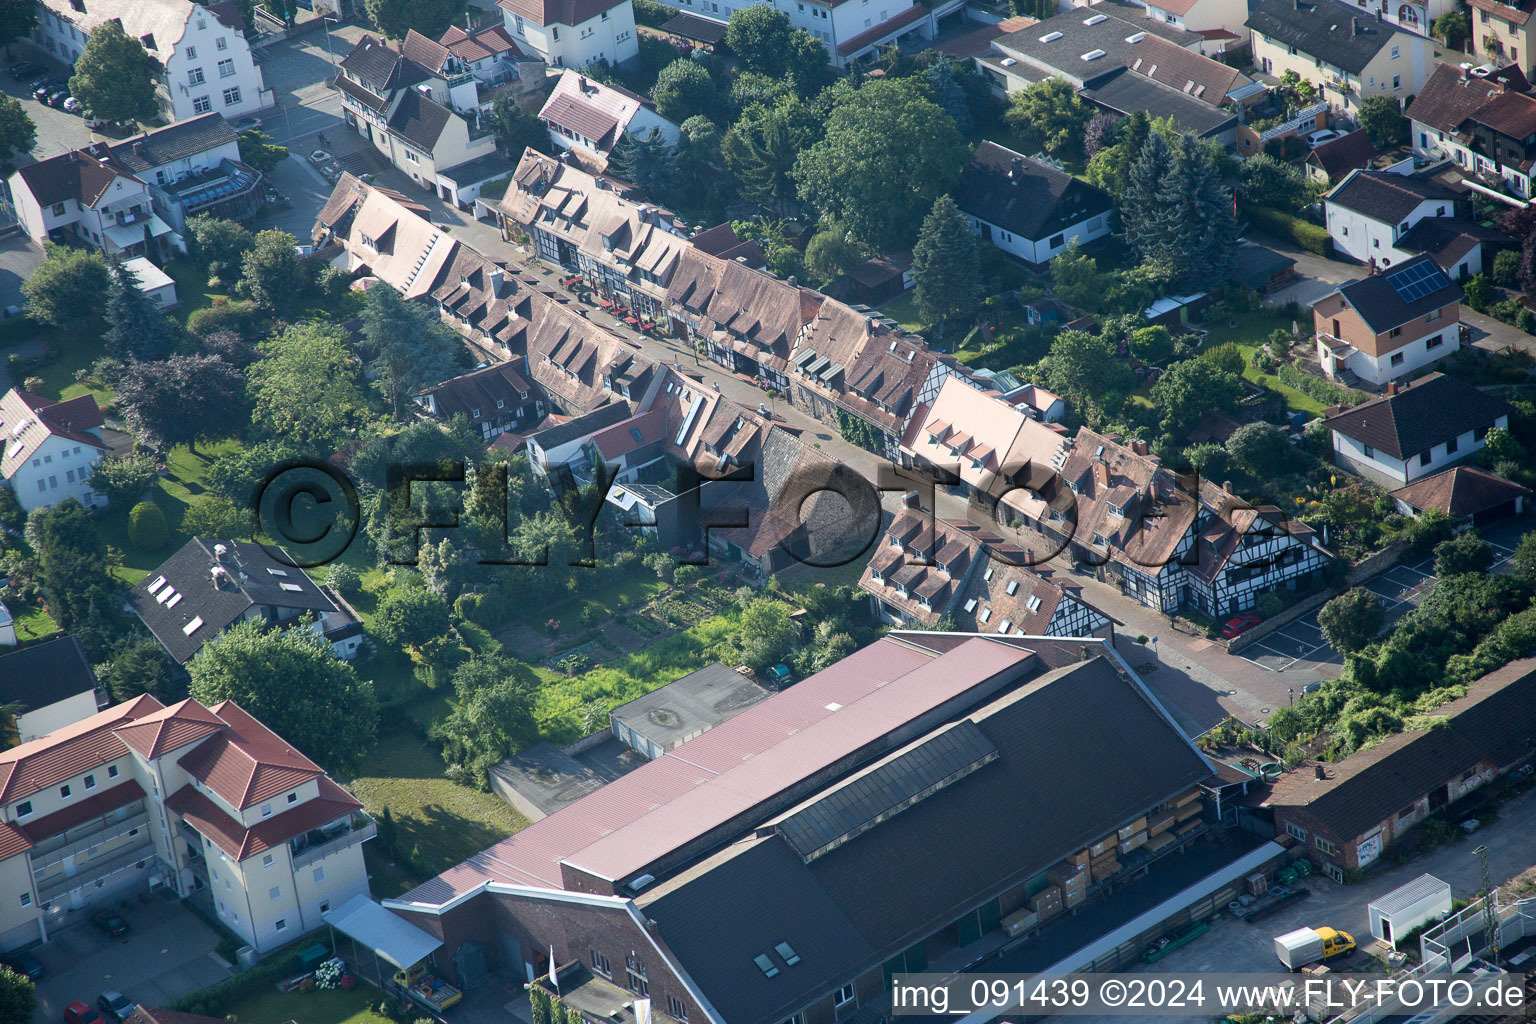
389	935
1404	897
532	856
758	776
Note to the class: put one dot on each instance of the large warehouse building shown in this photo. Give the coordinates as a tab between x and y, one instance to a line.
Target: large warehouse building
781	866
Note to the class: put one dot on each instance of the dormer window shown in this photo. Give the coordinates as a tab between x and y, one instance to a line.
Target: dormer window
1116	510
501	403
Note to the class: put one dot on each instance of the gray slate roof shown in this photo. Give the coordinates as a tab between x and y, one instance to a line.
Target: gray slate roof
45	674
419	119
686	707
174	142
1388	197
1382	307
1342	36
1112	35
255	579
1430	411
1025	197
1124	92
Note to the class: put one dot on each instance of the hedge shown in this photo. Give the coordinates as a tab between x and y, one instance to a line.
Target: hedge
1316	387
215	1000
1312	237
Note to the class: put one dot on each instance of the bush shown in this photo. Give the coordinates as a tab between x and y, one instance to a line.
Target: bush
683	575
1316	387
1267	606
146	527
215	999
1312	237
648	12
240	316
343	579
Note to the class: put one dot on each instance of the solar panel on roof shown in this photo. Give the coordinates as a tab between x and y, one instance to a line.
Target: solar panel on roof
1413	283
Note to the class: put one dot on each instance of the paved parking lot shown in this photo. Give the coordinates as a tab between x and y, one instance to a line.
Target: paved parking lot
57	131
1289	646
168	953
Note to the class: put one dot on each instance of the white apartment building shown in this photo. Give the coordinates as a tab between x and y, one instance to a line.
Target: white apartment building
48	449
208	67
573	33
583	113
849	29
201	800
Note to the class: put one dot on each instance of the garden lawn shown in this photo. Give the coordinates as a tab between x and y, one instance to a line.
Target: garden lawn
191	288
335	1007
903	309
1249	335
34	624
186	480
77	350
448	821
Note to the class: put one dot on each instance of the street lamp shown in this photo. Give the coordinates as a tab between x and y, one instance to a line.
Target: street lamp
326	28
1290	691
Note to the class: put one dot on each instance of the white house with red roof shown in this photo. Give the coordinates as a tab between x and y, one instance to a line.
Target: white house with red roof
50	448
573	33
583	113
205	801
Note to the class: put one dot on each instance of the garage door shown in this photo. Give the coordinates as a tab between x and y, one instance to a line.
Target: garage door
1492	515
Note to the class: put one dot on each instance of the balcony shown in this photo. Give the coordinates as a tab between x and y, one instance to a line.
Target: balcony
1303	116
231	190
93	870
51	851
322	842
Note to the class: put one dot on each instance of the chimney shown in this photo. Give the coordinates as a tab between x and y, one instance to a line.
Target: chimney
1355	28
1320	772
1392	388
498	281
1226	485
138	148
1139	446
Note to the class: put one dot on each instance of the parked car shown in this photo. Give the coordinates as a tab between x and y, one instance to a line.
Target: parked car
1311	688
110	922
1326	135
23	962
41	89
1239	625
25	70
115	1005
72	105
248	124
79	1013
56	97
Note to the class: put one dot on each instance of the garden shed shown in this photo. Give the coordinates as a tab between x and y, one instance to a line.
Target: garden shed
1400	911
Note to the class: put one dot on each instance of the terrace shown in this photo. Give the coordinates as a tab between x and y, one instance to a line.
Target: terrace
231	190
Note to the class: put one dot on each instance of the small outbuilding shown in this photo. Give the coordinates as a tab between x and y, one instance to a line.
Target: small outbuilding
1400	911
154	283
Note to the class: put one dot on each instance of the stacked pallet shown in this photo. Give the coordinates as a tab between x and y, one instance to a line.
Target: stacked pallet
1047	903
1018	923
1072	880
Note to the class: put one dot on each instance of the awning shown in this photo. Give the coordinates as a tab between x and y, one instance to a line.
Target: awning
124	235
387	934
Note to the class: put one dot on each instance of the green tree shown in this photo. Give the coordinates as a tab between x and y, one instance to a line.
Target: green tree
1083	367
1506	266
18	1000
210	515
123	479
946	266
343	579
492	717
115	77
517	131
698	151
138	664
1110	167
1274	183
136	326
259	151
17	132
1210	458
409	616
1259	449
293	683
1464	553
271	272
1523	561
1051	112
1226	356
72	565
304	389
1478	291
67	287
183	399
767	634
1383	120
887	154
1177	210
1076	279
1351	621
683	89
829	255
1452	27
761	147
218	245
1151	345
950	94
146	527
17	19
759	35
646	161
407	346
1191	389
395	18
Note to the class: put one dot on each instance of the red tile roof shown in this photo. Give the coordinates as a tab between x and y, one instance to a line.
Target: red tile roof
65	753
916	12
241	842
247	762
92	807
170	729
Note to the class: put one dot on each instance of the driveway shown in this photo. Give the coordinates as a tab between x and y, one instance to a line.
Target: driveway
168	953
57	131
1235	946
